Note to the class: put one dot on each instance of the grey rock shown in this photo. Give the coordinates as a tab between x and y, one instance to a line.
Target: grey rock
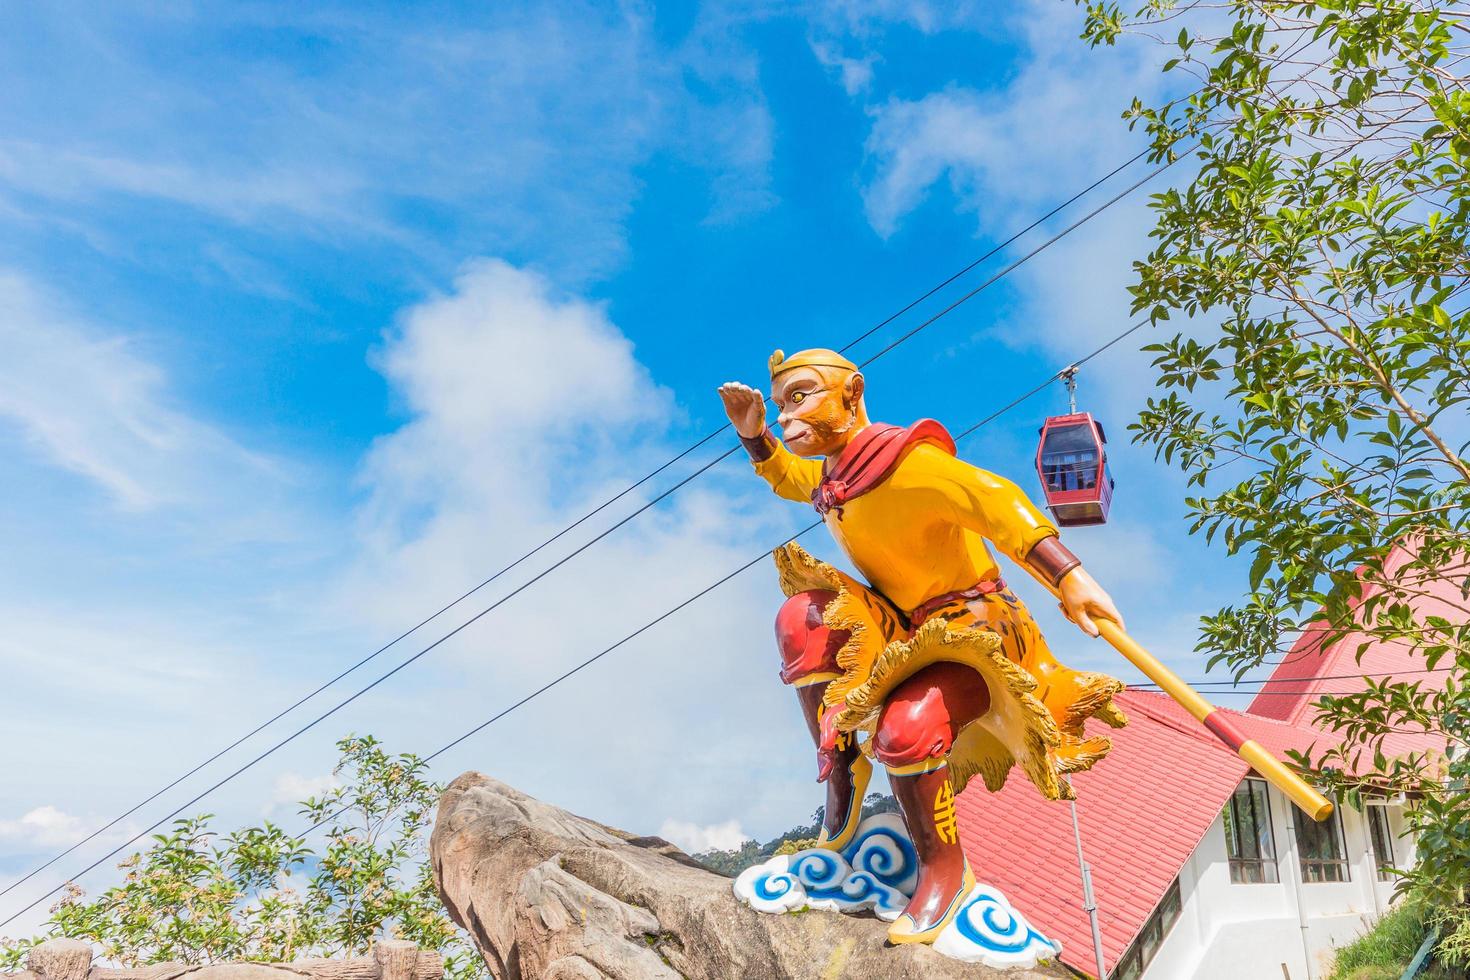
548	894
60	959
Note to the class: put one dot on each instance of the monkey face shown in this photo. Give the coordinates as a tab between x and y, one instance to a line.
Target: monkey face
819	409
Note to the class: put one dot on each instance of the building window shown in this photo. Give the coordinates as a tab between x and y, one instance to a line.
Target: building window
1248	837
1323	850
1382	836
1136	959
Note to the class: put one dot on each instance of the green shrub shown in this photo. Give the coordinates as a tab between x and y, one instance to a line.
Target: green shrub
260	893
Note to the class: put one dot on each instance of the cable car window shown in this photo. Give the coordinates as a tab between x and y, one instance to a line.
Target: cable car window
1069	458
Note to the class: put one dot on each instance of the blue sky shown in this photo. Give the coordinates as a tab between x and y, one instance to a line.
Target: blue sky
310	318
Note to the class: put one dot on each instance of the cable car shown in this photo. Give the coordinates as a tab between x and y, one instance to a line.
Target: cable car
1072	461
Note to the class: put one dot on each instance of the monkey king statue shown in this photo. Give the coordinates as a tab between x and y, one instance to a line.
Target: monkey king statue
932	666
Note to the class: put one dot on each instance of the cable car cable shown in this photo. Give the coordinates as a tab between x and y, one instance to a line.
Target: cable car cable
559	534
1003	245
1305	680
540	575
382	649
761	557
580	520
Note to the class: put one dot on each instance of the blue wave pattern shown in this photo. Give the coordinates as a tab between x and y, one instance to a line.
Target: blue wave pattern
878	871
885	852
989	930
814	871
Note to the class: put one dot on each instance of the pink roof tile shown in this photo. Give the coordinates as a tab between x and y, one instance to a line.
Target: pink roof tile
1309	671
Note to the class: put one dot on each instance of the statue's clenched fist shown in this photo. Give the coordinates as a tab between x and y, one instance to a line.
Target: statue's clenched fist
746	408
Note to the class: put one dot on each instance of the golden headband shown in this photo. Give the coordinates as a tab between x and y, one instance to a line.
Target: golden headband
816	357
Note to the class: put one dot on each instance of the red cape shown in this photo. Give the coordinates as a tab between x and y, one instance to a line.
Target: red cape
870	457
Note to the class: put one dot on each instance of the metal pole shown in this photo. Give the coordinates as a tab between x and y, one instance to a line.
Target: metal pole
1296	869
1089	903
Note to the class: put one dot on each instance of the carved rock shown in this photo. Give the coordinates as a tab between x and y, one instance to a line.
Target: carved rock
547	894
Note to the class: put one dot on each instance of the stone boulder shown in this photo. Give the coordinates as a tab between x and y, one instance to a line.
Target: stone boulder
548	895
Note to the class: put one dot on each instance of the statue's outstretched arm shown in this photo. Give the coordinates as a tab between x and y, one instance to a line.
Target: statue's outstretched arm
788	474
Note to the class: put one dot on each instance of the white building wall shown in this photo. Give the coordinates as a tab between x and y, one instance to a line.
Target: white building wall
1229	931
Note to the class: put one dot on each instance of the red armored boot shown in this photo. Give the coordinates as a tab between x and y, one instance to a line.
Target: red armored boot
917	729
809	663
844	769
926	799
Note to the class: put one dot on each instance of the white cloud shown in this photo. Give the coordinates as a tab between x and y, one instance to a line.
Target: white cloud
511	390
728	129
1005	150
45	826
244	197
864	17
1008	154
855	74
291	788
48	827
693	838
514	128
526	407
90	402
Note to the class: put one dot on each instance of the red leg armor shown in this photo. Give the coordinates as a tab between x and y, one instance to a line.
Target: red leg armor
925	713
809	662
916	730
807	647
926	799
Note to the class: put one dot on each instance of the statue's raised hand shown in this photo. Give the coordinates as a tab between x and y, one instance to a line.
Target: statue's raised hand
746	408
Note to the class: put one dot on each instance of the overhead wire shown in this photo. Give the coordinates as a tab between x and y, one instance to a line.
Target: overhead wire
1053	239
585	545
700	443
599	508
1227	686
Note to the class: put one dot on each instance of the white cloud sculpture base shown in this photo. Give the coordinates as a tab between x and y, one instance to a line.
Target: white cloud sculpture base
878	871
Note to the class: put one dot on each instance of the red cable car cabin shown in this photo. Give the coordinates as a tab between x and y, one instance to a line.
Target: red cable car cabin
1072	462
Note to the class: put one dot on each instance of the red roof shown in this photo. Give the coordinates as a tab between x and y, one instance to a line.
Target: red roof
1142	812
1145	808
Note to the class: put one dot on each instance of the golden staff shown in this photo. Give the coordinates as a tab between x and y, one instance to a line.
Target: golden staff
1312	803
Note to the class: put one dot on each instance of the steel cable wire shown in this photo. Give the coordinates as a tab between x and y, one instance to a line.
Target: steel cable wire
540	575
555	537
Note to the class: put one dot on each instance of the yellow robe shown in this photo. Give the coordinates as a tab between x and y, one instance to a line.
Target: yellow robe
922	533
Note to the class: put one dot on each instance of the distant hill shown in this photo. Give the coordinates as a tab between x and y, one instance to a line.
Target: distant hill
732	862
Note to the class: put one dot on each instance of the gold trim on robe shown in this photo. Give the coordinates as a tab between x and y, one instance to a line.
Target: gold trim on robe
1037	705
